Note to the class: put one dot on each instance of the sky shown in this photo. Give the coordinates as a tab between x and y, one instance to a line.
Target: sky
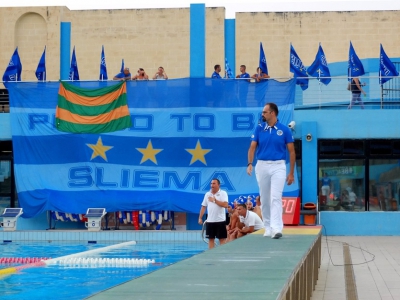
231	6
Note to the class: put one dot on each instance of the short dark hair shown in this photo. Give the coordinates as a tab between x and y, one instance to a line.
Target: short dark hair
216	67
243	205
243	66
217	180
273	107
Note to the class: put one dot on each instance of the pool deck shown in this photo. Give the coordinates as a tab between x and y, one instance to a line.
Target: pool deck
375	262
252	267
374	259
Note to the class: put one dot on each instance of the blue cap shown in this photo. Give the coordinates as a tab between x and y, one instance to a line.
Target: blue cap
242	200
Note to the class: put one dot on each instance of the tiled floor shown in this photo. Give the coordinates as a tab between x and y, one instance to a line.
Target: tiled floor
376	265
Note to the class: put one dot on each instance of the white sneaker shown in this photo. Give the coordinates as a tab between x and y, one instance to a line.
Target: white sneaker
276	234
267	232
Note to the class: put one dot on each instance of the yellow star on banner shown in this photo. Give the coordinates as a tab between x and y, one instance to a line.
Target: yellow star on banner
198	153
149	153
99	149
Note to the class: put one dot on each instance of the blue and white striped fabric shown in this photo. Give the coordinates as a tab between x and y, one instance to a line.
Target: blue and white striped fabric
185	132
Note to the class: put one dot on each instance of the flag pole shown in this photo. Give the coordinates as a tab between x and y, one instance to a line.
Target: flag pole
349	76
319	85
380	77
319	82
380	81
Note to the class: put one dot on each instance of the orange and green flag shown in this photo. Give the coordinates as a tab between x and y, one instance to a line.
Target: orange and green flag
99	110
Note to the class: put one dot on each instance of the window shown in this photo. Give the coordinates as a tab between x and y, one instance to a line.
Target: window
7	186
353	147
380	147
330	147
384	184
358	175
297	149
342	185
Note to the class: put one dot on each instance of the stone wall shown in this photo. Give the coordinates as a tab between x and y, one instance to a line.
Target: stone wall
149	38
305	30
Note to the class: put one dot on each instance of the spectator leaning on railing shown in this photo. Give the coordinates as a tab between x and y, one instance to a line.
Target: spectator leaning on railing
243	72
260	75
141	75
356	90
125	75
160	74
215	75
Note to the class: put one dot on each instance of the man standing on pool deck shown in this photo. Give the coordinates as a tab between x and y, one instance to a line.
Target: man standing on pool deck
216	200
271	138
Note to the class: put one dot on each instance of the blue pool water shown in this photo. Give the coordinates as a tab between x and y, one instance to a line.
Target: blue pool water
61	282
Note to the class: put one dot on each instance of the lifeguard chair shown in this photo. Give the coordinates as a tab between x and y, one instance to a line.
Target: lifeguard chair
94	216
10	216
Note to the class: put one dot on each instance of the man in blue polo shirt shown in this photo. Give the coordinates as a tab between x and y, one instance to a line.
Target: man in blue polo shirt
243	73
125	75
271	139
215	75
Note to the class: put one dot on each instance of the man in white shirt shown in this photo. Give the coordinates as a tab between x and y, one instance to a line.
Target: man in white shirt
216	200
249	222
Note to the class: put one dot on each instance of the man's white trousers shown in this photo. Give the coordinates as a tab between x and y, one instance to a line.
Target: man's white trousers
271	176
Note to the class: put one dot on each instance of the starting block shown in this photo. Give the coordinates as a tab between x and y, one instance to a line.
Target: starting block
94	216
10	216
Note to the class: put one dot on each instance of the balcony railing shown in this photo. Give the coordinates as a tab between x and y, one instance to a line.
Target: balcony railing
4	101
319	96
335	94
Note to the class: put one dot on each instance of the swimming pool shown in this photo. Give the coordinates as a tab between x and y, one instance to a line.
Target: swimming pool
78	282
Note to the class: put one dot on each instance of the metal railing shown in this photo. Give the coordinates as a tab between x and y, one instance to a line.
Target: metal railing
4	101
320	96
335	94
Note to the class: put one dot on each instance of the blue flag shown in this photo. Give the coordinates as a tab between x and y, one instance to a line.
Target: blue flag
228	71
386	67
263	61
319	68
355	67
122	66
14	68
41	68
73	71
103	66
298	69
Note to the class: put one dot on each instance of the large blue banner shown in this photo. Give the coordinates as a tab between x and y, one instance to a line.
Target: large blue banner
185	132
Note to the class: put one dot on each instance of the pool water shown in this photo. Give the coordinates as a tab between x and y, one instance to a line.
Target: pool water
62	282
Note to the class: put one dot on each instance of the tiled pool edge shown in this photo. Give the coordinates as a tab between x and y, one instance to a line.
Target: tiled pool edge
100	236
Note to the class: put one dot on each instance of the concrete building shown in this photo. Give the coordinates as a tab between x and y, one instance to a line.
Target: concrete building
342	139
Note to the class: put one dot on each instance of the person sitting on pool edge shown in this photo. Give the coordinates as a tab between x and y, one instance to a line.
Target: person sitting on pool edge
248	222
233	217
